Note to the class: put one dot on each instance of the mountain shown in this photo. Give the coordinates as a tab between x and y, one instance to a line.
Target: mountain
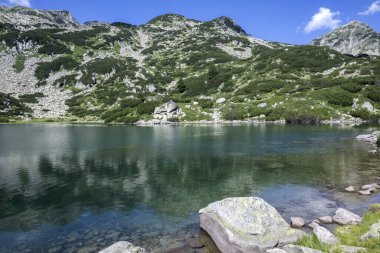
118	72
354	38
23	18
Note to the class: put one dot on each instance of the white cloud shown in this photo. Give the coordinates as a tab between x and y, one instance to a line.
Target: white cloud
25	3
372	9
323	19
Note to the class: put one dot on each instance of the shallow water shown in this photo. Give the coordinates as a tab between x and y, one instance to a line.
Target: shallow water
70	188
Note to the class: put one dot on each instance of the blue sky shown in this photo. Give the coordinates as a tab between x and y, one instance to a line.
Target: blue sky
291	21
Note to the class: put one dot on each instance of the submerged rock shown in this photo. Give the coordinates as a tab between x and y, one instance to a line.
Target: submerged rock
344	217
325	236
246	225
290	248
123	247
194	243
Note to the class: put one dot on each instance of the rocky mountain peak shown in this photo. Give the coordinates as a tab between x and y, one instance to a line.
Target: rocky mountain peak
24	18
353	38
172	21
228	24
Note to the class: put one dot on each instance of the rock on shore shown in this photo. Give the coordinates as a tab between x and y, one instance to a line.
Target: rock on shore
246	225
371	138
344	217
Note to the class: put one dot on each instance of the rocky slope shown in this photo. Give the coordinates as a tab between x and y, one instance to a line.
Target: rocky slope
213	70
354	38
24	18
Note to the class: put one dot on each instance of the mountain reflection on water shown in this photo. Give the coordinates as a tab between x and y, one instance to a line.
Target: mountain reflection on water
71	187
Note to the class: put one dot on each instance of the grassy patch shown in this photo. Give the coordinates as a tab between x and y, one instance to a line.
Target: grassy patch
350	235
314	243
19	64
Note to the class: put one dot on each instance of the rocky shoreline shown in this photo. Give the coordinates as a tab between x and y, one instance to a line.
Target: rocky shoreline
251	225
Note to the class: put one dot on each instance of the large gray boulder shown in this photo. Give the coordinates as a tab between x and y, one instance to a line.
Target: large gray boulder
246	225
167	110
123	247
344	217
325	236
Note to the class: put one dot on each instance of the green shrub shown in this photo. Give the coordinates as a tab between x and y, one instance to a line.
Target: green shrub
11	107
130	102
44	69
31	98
352	87
19	63
147	107
4	120
373	93
364	114
54	48
68	80
205	103
101	66
234	112
338	97
181	86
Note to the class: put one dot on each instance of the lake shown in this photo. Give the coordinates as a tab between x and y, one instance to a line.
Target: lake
80	188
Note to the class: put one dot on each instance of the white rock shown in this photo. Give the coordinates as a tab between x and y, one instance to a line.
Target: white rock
220	100
365	192
290	248
246	225
325	220
344	217
262	105
123	247
325	236
313	225
297	222
368	106
350	189
370	187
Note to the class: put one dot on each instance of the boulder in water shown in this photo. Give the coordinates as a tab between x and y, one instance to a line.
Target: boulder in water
246	225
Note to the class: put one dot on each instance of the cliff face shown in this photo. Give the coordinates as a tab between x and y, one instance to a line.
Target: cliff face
353	38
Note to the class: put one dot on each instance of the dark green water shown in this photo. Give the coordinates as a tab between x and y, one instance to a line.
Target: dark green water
67	188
